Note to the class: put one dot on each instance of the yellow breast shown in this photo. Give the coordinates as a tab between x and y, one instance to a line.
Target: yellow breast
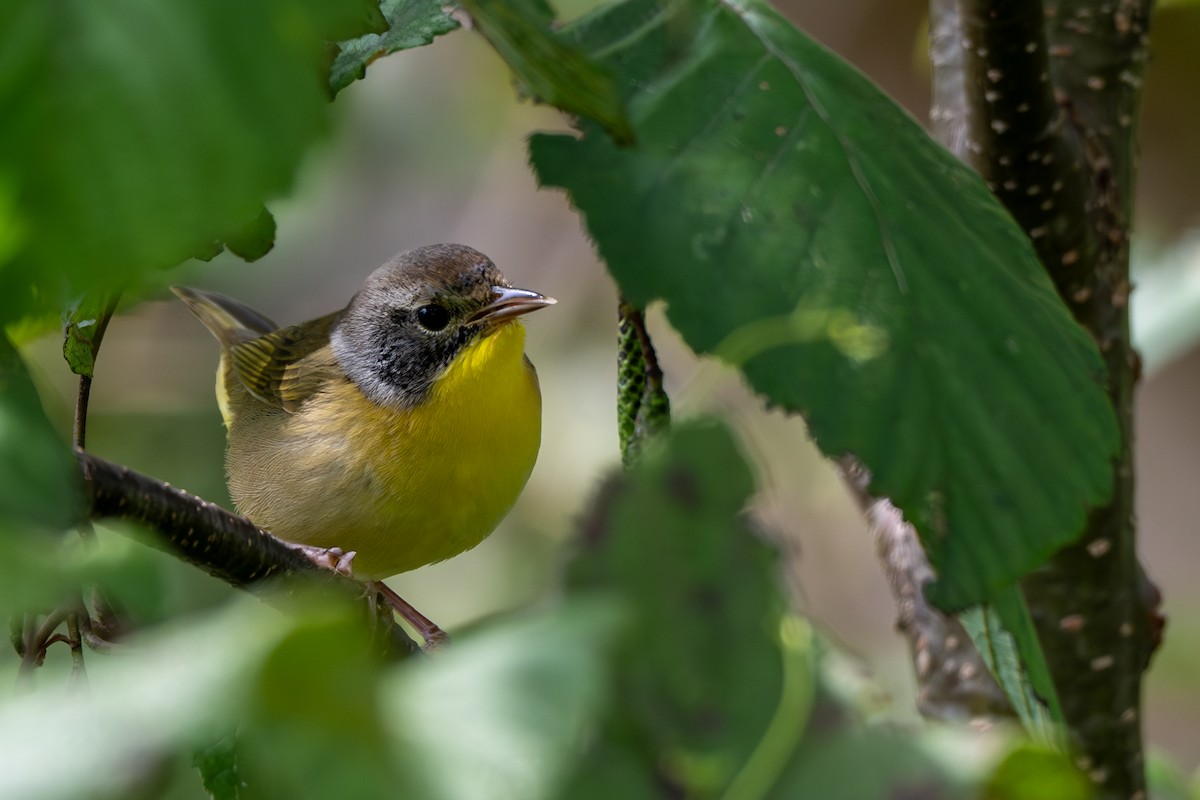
402	487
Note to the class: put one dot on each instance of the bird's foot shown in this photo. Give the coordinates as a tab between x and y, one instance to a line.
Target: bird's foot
435	638
341	561
333	558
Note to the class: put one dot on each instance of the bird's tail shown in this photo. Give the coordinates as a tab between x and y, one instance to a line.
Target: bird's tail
231	321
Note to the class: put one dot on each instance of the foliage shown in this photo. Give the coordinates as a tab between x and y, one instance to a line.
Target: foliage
797	224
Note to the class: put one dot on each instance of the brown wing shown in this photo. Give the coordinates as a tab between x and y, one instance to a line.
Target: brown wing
287	366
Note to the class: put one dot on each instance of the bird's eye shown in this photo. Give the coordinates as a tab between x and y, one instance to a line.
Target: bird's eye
433	317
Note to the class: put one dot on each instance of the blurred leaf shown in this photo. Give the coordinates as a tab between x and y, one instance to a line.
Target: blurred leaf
801	225
700	673
39	475
410	23
217	764
250	242
1031	772
1003	633
503	712
127	572
547	67
1165	310
312	728
1166	782
32	575
253	241
877	763
143	706
84	324
135	131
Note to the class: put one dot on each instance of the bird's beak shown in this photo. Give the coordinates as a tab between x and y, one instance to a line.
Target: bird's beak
508	304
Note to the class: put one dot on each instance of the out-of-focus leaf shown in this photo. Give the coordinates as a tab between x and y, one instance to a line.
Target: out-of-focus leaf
700	673
255	240
135	131
802	226
1166	782
410	23
38	474
165	691
250	242
1165	309
217	764
502	714
312	727
857	763
548	68
1032	772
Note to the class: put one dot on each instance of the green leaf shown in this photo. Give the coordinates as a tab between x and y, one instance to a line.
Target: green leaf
163	694
217	763
252	242
503	713
312	727
547	68
858	763
84	324
701	672
135	131
802	226
410	23
1003	633
39	475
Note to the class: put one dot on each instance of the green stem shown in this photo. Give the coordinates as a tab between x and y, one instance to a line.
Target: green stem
779	741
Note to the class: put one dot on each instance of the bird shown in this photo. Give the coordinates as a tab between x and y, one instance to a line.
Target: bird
398	430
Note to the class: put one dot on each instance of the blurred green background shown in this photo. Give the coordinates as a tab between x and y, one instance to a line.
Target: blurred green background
431	148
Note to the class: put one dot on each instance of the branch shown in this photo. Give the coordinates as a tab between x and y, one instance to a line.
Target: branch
953	681
222	544
1049	102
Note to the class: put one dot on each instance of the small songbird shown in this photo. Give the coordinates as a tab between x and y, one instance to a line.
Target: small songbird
402	427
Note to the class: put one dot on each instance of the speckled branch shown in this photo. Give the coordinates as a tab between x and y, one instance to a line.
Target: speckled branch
222	544
953	682
1045	100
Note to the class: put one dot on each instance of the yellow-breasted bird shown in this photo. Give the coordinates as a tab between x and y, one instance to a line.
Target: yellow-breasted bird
402	427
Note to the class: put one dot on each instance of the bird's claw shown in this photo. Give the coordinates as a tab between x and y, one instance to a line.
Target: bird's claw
332	558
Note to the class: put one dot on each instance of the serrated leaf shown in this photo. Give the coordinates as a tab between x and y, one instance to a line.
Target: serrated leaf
802	226
410	23
700	672
135	131
548	68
